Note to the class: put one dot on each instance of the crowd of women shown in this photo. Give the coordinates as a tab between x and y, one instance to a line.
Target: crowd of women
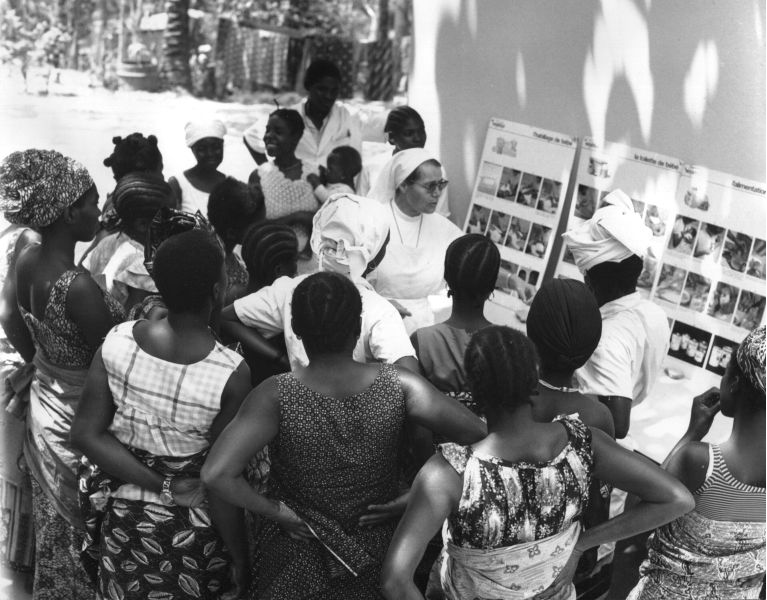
248	389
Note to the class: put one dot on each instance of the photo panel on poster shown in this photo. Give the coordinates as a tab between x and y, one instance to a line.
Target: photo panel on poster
722	350
756	262
689	344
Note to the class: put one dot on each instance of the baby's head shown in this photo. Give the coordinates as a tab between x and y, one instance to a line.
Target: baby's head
343	165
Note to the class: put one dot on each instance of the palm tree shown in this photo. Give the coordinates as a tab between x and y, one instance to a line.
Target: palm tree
176	44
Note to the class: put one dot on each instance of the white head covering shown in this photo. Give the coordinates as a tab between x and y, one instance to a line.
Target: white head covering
396	170
203	128
614	233
348	231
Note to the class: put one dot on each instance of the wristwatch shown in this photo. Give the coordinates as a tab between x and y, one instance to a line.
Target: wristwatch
166	496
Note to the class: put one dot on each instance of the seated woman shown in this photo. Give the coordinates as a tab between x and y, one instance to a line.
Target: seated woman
404	129
349	236
233	206
333	429
513	500
471	268
67	316
205	137
412	269
717	550
117	262
157	395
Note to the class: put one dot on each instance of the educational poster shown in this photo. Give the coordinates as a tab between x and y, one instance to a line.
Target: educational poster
649	179
712	272
518	198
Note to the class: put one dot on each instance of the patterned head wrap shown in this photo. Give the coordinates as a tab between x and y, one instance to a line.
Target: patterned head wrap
167	223
37	185
751	357
348	232
613	234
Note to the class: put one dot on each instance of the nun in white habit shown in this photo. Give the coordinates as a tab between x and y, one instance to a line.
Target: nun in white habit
412	272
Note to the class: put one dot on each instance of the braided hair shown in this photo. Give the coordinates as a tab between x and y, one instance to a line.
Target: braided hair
133	153
326	312
292	119
265	246
501	368
471	266
398	117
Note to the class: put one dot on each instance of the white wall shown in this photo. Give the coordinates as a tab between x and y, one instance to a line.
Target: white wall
685	78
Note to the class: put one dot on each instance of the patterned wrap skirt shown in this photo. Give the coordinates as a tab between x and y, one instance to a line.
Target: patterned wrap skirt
136	549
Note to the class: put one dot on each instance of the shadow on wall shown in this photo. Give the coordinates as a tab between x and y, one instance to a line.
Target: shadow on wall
685	80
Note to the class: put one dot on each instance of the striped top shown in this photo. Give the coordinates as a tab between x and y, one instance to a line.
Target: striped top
724	498
164	407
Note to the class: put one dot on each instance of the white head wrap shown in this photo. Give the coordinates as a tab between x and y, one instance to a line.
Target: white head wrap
396	170
348	232
614	233
197	130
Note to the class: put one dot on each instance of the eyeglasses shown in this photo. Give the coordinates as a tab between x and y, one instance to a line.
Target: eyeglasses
433	187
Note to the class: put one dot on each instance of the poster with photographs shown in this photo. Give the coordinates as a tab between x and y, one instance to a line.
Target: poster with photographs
712	274
649	179
517	202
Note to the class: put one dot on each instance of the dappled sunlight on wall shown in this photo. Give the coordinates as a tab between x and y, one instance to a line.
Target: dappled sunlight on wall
521	81
701	81
621	48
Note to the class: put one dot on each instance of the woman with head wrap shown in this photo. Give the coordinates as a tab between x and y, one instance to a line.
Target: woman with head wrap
718	549
67	316
413	267
609	250
350	236
334	428
205	138
117	262
565	325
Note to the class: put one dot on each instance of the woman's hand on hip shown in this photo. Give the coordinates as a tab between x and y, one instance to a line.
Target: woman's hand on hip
188	491
381	513
293	525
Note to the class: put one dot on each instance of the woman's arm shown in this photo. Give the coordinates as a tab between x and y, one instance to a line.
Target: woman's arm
174	185
89	432
429	407
256	424
434	495
663	499
233	329
10	316
229	519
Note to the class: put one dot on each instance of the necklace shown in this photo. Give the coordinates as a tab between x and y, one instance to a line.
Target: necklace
565	389
290	166
396	224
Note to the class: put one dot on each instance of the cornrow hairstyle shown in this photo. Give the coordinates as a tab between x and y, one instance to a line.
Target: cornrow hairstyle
233	205
292	119
617	278
185	269
319	69
351	161
398	117
266	245
326	311
501	369
471	266
133	153
413	177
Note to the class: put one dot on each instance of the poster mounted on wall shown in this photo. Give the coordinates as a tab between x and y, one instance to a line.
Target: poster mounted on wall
649	179
517	202
712	272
